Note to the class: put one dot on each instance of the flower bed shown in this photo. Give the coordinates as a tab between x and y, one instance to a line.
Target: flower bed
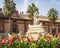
47	41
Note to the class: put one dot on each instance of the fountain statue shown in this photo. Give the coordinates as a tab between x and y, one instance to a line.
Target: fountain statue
36	29
36	21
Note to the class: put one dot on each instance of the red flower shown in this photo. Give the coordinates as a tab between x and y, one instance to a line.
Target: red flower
58	34
28	40
48	37
10	42
13	38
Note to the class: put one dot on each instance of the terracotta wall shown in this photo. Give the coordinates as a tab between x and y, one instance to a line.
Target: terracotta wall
21	28
23	25
1	23
49	26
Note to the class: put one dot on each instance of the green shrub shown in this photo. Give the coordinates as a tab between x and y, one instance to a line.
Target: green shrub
58	43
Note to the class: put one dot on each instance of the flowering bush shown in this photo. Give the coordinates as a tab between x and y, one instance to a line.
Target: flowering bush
47	41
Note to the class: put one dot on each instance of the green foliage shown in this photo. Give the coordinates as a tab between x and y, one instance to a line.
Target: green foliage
0	36
33	45
15	44
40	44
53	44
9	7
58	43
14	35
32	9
53	14
43	42
5	46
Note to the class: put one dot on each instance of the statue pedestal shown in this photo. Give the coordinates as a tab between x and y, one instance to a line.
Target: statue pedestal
35	31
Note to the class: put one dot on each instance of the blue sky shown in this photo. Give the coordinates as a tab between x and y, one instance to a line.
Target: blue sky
43	5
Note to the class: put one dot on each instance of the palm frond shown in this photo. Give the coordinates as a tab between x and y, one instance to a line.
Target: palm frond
32	9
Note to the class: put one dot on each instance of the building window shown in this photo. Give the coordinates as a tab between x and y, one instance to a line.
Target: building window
43	23
14	26
1	30
53	31
14	30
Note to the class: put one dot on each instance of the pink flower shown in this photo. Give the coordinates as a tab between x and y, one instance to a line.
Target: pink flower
5	40
20	38
58	34
1	43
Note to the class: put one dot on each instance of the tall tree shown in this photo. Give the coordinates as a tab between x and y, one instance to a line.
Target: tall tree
32	9
53	16
8	9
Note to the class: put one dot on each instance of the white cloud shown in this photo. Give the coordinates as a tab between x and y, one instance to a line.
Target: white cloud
23	7
26	3
54	1
37	3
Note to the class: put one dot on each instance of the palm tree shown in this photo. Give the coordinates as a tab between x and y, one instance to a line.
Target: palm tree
53	16
8	9
32	9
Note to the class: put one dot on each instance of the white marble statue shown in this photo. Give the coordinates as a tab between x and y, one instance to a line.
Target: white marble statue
19	34
36	29
36	21
9	35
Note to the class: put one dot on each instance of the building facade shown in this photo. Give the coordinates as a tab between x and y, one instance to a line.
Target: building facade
19	22
49	26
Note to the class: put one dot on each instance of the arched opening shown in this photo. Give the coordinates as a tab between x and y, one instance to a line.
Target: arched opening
14	27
